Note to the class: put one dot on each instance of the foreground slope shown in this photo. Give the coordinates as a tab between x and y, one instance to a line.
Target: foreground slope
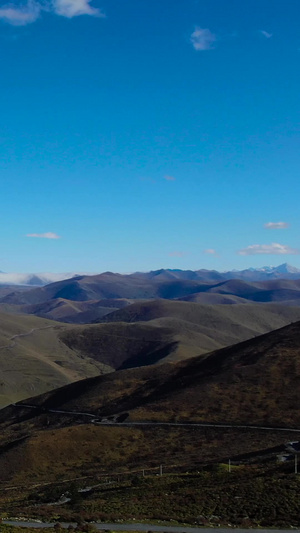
255	383
54	354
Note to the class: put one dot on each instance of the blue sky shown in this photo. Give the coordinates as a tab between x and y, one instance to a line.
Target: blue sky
146	134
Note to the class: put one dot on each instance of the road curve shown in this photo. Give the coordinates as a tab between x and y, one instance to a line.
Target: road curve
99	422
145	527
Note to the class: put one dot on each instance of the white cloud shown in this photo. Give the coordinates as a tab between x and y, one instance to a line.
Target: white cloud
169	178
40	278
210	251
276	225
74	8
22	14
266	34
48	235
14	278
203	39
269	249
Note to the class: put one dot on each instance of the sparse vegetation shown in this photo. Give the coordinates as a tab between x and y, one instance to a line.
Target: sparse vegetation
246	497
253	382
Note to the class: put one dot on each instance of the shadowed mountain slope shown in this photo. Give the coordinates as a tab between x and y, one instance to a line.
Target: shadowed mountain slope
147	332
106	286
73	312
33	359
259	318
121	344
49	354
211	298
254	382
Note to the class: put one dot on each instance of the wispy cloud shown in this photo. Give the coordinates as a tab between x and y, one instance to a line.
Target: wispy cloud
73	8
169	178
269	249
48	235
203	39
21	15
14	278
210	251
26	13
276	225
266	34
177	254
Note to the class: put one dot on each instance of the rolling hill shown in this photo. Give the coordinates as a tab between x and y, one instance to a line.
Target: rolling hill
149	332
48	354
73	312
33	359
252	383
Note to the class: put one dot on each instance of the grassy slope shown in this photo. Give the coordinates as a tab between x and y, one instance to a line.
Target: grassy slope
52	357
246	497
119	344
254	382
194	329
255	317
38	362
214	299
52	453
70	311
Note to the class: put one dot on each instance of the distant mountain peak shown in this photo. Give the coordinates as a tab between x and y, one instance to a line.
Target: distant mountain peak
286	268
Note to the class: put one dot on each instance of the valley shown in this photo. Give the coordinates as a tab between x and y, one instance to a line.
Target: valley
150	266
177	383
138	334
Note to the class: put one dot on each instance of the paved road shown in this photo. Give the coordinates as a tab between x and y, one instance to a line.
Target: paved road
99	422
147	527
196	424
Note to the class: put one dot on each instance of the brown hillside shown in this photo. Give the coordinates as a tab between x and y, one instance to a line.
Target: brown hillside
254	382
74	312
33	359
151	331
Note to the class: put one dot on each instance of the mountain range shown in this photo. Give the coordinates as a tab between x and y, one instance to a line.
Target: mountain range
84	299
250	274
121	373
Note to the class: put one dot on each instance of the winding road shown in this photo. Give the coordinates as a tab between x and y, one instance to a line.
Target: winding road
105	422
